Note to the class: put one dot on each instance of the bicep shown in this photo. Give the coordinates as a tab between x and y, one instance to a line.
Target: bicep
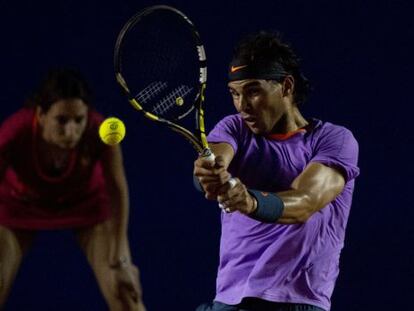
311	191
320	182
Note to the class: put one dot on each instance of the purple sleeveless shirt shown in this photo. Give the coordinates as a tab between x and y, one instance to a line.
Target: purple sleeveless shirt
284	263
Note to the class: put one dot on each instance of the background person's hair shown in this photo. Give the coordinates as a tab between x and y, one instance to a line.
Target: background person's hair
268	47
60	83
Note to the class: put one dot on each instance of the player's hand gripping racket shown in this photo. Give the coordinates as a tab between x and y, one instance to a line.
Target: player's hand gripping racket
160	64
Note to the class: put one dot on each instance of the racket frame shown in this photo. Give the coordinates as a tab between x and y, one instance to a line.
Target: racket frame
198	140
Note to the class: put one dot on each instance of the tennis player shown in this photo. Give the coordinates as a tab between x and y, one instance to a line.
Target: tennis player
56	174
285	211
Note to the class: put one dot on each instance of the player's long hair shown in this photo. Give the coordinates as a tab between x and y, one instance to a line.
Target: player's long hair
269	47
60	83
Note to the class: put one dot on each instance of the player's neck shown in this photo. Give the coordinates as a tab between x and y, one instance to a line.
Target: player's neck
291	121
51	155
50	148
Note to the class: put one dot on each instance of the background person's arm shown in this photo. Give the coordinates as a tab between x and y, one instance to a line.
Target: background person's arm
117	188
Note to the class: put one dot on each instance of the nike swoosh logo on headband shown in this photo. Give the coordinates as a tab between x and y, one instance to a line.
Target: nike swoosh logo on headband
237	68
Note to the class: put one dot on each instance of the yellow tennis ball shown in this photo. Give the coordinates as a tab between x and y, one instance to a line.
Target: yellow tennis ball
112	131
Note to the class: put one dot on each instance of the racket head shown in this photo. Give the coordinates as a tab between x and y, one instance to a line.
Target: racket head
160	64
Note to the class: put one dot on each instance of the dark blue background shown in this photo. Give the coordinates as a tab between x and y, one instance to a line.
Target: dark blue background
358	54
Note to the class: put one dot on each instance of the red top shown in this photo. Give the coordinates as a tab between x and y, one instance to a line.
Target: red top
32	199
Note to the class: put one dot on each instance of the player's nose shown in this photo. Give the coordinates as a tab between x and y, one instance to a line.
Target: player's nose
244	105
71	130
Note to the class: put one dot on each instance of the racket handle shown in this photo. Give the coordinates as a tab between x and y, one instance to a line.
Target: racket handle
208	155
232	181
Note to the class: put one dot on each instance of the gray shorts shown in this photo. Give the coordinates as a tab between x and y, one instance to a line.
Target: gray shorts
254	304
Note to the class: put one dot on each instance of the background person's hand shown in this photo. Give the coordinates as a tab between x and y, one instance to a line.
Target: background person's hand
129	288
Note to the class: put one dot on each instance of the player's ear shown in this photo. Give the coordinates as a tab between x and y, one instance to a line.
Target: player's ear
39	114
288	86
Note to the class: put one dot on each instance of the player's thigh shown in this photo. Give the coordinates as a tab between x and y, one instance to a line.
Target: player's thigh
95	241
13	246
14	243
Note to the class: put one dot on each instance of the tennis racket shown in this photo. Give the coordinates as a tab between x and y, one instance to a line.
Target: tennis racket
160	64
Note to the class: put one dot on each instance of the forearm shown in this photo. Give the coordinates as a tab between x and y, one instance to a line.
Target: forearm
120	217
288	207
312	190
118	193
298	206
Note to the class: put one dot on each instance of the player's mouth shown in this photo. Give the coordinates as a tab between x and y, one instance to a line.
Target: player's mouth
68	143
250	119
253	123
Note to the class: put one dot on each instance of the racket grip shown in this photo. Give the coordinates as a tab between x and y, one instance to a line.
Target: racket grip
232	181
208	155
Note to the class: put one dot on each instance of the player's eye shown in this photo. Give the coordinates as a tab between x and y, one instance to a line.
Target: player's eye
79	120
62	120
253	92
233	93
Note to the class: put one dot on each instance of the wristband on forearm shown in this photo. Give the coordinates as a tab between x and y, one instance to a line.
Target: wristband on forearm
197	184
269	206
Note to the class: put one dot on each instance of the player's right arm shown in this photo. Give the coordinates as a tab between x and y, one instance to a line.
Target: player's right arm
10	130
212	176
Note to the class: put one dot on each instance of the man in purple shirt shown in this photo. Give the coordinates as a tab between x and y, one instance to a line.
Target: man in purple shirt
285	184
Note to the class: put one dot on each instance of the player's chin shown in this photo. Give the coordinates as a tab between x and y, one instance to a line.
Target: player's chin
255	128
68	144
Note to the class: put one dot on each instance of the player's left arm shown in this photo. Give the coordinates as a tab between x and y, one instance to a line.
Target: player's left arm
322	180
117	188
310	191
126	273
313	189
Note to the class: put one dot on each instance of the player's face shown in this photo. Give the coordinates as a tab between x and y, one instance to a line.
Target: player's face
64	123
259	102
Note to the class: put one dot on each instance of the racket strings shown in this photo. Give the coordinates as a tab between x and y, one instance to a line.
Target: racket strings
159	57
160	63
150	91
175	98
